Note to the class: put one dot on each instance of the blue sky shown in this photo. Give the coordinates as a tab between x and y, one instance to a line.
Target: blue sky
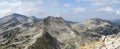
73	10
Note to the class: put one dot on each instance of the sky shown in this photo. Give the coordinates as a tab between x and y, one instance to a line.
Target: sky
72	10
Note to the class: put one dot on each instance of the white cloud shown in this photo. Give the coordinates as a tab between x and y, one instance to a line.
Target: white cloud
40	1
78	0
97	4
110	10
118	11
116	1
100	2
4	12
6	3
79	10
67	5
30	10
27	8
106	9
55	2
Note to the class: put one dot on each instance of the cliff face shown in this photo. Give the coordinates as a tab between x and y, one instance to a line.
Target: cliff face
46	41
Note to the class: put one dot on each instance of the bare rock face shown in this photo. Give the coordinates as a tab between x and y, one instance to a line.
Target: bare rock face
61	30
29	39
46	41
56	25
51	19
112	41
106	42
96	26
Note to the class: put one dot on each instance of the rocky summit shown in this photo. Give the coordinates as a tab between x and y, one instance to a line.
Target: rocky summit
22	32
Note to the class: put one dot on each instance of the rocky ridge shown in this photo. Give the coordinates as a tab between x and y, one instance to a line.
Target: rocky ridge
56	33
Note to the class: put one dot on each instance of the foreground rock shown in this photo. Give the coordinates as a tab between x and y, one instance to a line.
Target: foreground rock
106	42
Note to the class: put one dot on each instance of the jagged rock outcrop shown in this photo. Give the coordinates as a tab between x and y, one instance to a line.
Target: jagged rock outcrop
106	42
61	30
56	25
46	41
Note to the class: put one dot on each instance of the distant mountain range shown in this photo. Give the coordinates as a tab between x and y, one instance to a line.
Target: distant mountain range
18	31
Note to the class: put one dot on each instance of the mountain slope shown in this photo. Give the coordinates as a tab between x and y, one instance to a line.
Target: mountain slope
31	38
18	17
46	41
16	20
97	26
21	32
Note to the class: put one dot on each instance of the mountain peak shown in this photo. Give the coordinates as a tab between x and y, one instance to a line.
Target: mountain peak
51	19
15	14
18	17
33	17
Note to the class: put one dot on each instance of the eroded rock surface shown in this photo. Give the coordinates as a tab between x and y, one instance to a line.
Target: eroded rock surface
106	42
